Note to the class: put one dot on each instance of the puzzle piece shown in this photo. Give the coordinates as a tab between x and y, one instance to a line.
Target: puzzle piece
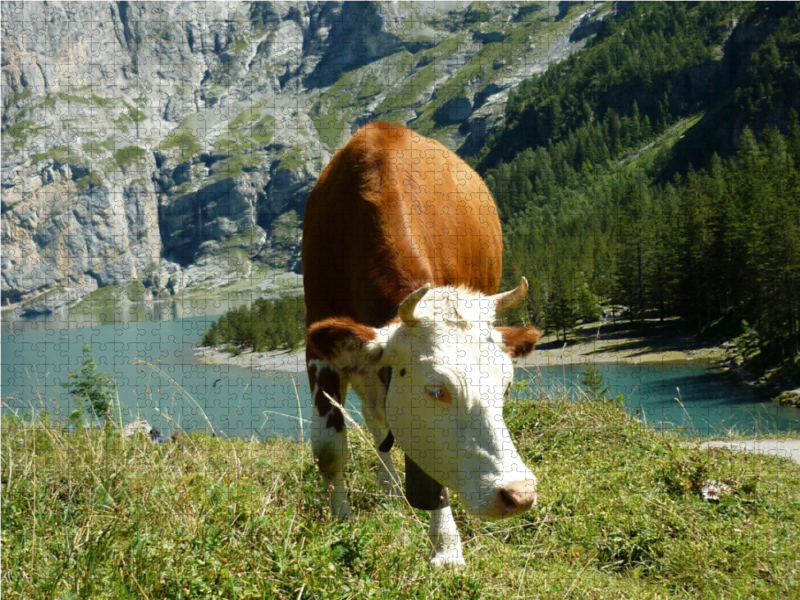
158	167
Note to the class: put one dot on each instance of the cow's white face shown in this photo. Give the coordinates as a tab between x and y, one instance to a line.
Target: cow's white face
450	372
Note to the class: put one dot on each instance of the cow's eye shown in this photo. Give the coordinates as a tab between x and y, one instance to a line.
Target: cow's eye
438	393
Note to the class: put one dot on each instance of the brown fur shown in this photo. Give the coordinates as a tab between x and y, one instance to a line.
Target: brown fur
327	337
392	211
519	341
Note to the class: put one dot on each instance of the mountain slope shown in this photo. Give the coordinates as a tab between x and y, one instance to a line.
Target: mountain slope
175	143
658	169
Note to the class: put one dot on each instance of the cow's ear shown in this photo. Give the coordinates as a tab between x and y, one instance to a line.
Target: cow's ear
519	341
344	342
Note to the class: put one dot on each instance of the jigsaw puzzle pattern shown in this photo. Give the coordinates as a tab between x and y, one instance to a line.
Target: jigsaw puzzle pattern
162	376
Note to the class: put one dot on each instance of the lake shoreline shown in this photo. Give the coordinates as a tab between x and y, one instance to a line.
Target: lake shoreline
611	343
274	360
601	343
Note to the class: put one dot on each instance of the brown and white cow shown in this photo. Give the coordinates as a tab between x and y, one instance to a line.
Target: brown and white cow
402	256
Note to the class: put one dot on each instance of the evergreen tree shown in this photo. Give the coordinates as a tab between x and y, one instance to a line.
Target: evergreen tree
90	387
561	307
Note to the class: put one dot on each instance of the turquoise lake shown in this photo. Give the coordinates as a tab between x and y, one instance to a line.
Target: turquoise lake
38	355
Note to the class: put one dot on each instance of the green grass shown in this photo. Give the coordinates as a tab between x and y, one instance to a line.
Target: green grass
102	101
263	130
93	179
244	239
183	138
183	188
397	99
109	143
73	98
60	154
100	298
129	155
637	159
85	100
248	130
19	128
95	148
231	146
135	114
20	131
15	97
235	165
620	515
246	117
43	297
290	159
333	111
135	291
240	46
330	122
352	92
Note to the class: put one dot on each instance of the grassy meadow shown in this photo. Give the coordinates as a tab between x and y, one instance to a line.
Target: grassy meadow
621	514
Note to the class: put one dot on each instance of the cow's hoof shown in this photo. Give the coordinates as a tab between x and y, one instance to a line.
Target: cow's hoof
341	510
448	559
344	514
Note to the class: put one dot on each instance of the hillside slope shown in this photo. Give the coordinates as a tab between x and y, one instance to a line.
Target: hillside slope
657	170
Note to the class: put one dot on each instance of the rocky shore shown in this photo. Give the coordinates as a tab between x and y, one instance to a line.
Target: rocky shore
276	360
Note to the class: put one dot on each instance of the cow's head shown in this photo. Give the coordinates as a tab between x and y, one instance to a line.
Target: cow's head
451	369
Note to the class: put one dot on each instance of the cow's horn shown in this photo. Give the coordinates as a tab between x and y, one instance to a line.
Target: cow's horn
508	300
407	306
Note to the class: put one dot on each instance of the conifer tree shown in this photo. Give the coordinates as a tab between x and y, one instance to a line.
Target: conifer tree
90	387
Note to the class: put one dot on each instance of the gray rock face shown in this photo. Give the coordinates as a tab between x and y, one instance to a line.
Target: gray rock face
62	225
167	142
221	209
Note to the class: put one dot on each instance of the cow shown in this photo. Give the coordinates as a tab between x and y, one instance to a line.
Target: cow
402	258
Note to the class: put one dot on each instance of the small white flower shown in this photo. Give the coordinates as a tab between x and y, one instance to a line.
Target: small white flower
714	490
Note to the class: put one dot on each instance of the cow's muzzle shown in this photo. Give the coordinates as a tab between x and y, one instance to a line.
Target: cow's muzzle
515	498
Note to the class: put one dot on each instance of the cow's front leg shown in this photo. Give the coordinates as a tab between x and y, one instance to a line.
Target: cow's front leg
443	535
328	433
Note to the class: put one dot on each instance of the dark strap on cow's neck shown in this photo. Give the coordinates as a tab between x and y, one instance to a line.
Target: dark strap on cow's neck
422	491
385	375
387	444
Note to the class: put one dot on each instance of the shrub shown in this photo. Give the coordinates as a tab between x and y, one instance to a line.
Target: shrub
91	387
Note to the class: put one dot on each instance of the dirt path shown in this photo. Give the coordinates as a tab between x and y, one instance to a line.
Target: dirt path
785	448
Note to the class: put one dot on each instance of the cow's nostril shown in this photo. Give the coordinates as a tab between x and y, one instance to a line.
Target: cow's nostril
516	497
507	501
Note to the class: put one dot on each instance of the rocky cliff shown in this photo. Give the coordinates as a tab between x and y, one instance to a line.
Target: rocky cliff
173	145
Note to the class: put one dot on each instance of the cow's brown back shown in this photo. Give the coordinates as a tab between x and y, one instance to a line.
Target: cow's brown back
392	211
